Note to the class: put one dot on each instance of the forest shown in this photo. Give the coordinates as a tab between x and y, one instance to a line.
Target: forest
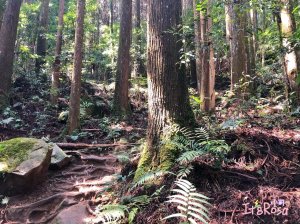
150	111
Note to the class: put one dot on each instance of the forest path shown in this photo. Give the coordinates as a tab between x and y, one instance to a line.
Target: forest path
77	184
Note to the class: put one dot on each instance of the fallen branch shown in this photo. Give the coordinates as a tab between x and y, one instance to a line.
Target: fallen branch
84	145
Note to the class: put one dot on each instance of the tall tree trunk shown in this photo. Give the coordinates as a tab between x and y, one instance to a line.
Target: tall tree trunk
2	8
207	94
263	27
111	16
74	115
168	96
138	64
121	98
56	65
41	44
290	58
197	40
8	34
204	82
237	18
191	73
212	66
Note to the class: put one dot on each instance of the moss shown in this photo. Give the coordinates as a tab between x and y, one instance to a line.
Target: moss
144	163
168	154
14	151
165	161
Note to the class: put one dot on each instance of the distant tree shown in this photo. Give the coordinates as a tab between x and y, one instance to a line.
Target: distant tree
197	41
74	108
167	90
121	98
8	34
138	63
56	64
41	44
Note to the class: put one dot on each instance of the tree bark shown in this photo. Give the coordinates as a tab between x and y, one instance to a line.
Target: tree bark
8	34
290	58
197	40
167	91
56	65
111	16
74	115
121	98
138	64
2	8
207	94
41	44
238	51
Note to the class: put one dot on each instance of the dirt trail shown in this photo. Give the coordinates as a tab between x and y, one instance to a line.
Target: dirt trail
86	176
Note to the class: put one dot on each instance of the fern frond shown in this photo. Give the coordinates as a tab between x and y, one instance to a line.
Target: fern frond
109	214
184	171
192	206
132	214
201	134
186	132
149	177
189	156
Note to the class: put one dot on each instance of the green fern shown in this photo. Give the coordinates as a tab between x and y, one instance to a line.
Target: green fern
149	177
189	156
109	214
192	206
184	171
132	214
201	134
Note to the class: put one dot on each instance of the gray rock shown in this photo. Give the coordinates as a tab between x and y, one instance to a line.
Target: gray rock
59	158
24	164
72	215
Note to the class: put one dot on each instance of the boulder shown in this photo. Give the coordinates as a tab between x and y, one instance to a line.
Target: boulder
75	214
23	164
59	158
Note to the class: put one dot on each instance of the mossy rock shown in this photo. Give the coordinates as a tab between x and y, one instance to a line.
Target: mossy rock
23	163
13	152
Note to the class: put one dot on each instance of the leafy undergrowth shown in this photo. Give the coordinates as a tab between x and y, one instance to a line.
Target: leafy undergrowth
259	170
250	157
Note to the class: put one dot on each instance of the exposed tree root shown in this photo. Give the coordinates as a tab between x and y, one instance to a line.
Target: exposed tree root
83	145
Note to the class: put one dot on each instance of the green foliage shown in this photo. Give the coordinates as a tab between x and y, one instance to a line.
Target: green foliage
192	206
149	177
109	214
193	144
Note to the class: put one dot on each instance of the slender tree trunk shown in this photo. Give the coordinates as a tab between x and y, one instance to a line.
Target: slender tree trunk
205	79
207	94
290	58
197	40
8	34
187	11
41	45
168	97
111	23
238	46
121	98
138	65
263	26
111	16
254	23
74	115
212	66
2	8
56	65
